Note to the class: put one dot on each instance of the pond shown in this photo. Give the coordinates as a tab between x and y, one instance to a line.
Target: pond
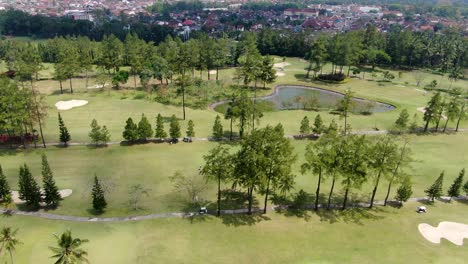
287	97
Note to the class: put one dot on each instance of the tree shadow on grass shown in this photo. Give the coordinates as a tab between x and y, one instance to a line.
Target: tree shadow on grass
352	215
243	219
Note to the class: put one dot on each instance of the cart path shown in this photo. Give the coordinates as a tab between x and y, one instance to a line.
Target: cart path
181	214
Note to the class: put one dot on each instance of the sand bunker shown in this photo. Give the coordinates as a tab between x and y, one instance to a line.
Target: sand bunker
63	193
97	86
213	72
281	64
453	232
279	74
66	105
423	110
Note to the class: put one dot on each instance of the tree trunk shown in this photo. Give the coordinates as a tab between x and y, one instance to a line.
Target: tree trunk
134	81
87	79
445	126
331	192
317	193
375	190
388	190
217	73
345	201
308	70
61	87
460	115
230	135
394	173
71	86
266	195
250	194
11	257
183	101
218	212
426	126
349	67
38	115
346	122
208	71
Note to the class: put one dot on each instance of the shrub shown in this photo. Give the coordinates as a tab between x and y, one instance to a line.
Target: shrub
334	77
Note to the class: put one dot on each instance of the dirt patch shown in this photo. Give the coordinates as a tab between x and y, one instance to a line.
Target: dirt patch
280	74
212	72
63	193
67	105
281	64
453	232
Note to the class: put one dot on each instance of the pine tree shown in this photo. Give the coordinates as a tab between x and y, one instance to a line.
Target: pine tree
218	129
64	134
160	133
455	188
318	124
104	135
332	128
144	128
95	133
4	186
435	190
28	188
174	129
305	127
51	192
190	129
404	192
465	187
99	201
131	131
402	122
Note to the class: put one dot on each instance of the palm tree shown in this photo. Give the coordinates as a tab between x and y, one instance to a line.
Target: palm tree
68	251
8	240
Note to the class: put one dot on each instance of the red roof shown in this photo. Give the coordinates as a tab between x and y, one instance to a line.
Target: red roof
188	23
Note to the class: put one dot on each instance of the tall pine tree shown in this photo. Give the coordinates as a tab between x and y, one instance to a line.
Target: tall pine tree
160	133
99	201
435	190
4	186
174	129
64	134
131	131
305	126
144	128
455	188
190	129
218	129
28	188
51	193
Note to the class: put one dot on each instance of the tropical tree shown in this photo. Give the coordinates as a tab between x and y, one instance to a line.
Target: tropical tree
98	134
435	190
130	132
218	167
8	241
318	125
51	193
267	71
183	82
314	157
68	250
455	188
404	153
64	134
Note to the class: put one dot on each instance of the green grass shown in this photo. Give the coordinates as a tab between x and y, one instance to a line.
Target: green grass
153	164
386	235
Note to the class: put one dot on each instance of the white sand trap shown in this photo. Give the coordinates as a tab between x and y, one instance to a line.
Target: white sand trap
281	64
97	86
453	232
15	195
423	110
213	72
279	74
66	105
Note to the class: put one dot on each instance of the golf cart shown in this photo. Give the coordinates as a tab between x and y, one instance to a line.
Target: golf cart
421	209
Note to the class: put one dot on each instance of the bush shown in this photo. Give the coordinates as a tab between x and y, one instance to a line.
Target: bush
334	77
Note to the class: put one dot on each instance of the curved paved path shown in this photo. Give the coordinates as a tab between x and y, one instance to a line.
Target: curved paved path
179	214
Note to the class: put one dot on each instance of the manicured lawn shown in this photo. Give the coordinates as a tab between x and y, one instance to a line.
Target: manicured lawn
153	164
385	235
